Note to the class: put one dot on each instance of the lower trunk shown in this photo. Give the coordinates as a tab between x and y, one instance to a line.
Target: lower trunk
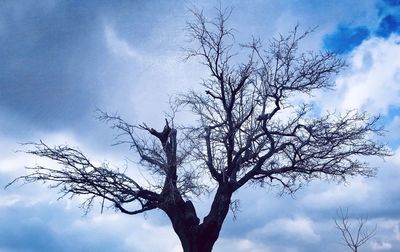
199	243
197	237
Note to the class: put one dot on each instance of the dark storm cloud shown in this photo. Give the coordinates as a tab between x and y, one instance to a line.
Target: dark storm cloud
54	60
45	52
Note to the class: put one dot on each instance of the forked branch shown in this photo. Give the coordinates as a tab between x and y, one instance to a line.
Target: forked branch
79	176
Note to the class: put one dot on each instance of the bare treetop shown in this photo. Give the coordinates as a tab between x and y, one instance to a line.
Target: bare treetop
354	236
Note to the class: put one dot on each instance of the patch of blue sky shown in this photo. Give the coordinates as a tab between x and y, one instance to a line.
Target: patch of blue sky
390	122
388	25
345	39
392	2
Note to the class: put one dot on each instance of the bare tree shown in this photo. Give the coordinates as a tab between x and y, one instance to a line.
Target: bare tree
248	131
353	238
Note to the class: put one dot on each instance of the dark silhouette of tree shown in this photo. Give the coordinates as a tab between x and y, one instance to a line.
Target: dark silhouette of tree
248	131
353	237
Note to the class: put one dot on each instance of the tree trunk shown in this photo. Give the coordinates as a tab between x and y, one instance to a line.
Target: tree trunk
196	237
198	244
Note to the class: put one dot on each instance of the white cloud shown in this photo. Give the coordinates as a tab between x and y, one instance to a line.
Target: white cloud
10	160
396	158
239	245
381	245
332	196
300	227
9	200
388	234
136	233
13	159
372	80
119	46
393	226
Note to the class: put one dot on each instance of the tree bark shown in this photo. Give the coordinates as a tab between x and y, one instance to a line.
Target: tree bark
196	237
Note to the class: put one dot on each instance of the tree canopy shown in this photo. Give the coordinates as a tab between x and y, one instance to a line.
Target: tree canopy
249	130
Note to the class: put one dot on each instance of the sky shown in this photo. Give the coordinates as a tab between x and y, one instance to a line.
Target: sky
62	60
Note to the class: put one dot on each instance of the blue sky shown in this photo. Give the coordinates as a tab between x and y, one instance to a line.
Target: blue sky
61	60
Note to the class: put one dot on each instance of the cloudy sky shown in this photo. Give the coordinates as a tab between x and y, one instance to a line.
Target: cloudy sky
61	60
